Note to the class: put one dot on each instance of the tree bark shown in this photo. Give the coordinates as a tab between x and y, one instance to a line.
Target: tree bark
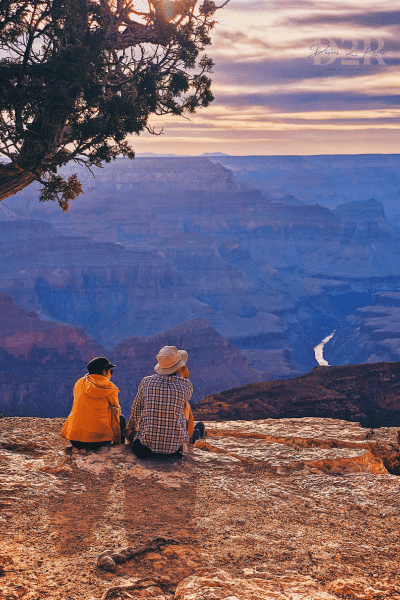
13	179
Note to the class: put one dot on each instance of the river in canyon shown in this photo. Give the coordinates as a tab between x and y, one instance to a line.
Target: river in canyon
319	350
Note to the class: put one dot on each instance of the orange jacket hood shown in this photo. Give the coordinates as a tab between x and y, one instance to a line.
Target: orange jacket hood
95	412
97	386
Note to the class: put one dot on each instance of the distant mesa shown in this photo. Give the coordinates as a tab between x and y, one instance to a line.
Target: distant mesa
153	155
160	155
327	179
214	154
367	209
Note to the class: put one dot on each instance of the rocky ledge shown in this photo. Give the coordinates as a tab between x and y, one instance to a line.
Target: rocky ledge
304	509
366	393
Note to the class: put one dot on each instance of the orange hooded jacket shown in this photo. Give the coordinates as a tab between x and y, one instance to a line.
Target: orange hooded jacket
95	412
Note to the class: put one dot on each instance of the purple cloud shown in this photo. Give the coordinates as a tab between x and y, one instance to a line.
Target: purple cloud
368	19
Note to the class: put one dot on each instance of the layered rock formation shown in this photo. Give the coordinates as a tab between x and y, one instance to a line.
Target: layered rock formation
155	243
213	360
41	360
366	393
370	334
275	509
97	285
329	180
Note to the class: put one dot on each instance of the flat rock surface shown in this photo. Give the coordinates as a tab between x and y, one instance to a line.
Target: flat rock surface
299	509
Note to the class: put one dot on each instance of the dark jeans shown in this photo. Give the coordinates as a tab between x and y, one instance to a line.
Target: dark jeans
143	451
97	445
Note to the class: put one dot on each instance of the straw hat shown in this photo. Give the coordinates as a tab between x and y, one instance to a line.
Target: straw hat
170	359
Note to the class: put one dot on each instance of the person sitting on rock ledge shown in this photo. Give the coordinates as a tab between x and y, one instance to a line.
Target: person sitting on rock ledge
161	419
95	419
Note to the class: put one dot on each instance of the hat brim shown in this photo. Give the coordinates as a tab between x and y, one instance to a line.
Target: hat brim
181	363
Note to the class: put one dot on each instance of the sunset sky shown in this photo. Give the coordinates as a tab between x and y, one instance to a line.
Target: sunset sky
272	96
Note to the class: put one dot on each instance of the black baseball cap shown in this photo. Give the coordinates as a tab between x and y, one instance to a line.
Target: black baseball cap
99	364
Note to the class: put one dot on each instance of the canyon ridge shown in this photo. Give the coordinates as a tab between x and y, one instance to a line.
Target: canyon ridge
157	242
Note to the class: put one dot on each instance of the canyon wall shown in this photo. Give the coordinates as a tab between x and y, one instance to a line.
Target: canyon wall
158	242
40	361
329	180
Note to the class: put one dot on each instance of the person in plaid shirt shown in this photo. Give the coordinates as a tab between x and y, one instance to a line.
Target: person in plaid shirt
161	420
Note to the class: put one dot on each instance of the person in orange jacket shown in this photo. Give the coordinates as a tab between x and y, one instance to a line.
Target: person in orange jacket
95	418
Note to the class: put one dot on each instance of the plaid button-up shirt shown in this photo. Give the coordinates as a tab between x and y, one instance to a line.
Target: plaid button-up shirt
157	412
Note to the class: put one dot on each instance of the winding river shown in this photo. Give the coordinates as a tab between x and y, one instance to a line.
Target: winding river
319	350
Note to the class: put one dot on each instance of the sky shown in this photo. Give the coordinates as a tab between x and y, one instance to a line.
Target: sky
295	77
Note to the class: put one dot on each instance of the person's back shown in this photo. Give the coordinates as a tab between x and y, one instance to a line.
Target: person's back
161	403
157	425
95	418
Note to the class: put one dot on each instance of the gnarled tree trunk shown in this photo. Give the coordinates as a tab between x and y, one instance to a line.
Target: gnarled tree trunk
13	179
